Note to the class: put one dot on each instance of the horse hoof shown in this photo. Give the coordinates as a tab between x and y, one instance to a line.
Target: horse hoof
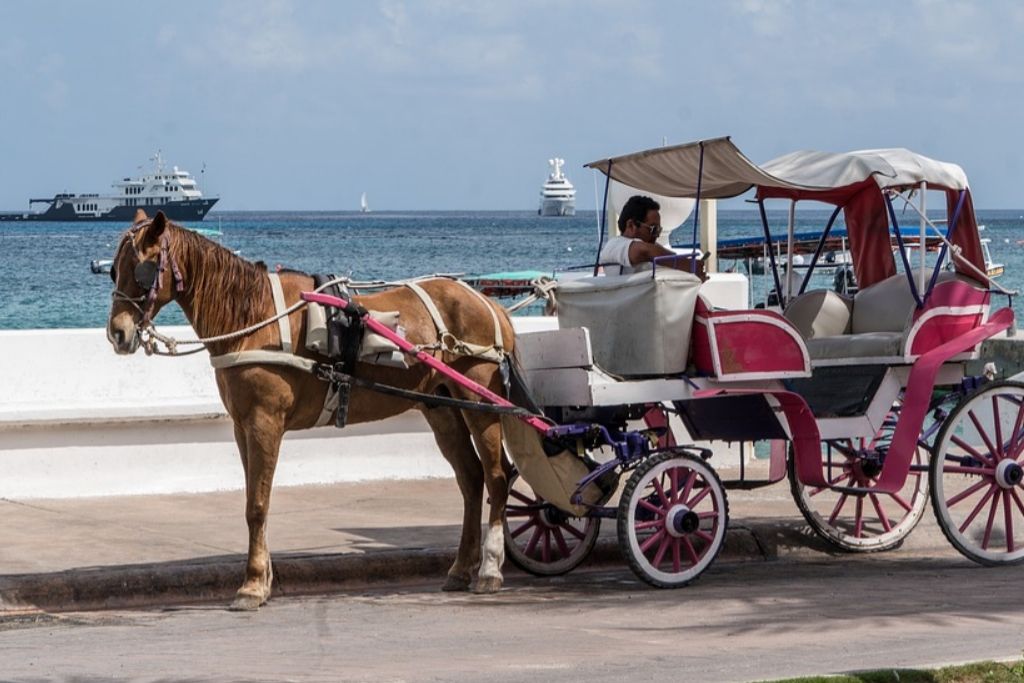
246	603
488	584
455	584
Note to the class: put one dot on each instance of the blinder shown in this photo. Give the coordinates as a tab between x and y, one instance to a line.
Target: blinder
146	274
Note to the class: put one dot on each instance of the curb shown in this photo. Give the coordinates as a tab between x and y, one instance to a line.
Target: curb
217	579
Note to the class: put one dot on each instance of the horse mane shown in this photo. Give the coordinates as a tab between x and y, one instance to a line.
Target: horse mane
227	292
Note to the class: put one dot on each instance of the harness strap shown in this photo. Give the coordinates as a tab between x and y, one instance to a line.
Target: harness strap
230	360
282	322
448	342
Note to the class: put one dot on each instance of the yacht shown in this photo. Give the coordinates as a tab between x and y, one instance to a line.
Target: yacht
558	196
173	191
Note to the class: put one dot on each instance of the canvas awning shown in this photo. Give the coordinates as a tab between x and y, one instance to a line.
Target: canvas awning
727	172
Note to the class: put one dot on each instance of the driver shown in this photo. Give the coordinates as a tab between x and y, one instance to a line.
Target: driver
636	246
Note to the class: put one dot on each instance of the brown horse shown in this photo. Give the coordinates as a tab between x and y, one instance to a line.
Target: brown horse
221	293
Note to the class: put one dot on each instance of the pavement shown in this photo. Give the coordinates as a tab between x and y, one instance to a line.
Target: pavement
75	554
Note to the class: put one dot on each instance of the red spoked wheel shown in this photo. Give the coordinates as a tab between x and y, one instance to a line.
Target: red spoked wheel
672	519
977	475
862	522
542	539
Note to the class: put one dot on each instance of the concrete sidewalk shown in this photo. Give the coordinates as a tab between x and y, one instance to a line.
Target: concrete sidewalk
97	553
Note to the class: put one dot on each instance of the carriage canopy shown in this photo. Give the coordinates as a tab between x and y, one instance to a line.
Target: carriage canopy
859	182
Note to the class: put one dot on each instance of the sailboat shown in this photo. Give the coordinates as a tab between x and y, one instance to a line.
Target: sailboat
363	206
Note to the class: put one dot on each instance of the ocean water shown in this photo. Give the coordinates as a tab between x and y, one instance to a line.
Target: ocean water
45	280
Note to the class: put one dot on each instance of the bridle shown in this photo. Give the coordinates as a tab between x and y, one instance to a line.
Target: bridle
149	275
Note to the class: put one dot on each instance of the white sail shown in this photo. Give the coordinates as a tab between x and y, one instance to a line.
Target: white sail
363	205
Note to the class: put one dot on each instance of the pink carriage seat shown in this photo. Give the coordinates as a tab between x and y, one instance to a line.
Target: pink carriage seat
882	321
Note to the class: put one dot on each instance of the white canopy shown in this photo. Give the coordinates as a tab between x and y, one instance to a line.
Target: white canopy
727	172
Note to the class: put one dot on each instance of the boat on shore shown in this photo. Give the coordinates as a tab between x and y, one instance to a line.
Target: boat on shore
557	196
175	192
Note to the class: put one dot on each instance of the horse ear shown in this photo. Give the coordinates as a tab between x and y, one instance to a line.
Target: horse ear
140	216
154	230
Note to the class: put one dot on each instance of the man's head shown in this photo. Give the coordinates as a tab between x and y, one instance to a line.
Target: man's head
640	218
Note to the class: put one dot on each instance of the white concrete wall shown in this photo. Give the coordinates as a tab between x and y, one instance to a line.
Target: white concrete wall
76	419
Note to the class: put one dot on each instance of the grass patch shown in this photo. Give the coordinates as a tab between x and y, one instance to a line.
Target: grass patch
980	672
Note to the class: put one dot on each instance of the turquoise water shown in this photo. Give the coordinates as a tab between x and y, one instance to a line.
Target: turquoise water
45	281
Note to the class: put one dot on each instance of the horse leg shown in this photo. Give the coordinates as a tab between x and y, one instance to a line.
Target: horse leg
486	431
262	444
456	445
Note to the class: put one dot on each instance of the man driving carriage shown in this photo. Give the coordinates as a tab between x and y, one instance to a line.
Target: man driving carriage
635	247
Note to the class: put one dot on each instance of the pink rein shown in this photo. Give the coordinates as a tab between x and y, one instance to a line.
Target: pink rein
426	358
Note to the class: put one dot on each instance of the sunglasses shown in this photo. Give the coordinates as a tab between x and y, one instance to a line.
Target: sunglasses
655	229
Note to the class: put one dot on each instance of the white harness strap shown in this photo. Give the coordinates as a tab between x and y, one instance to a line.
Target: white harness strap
448	342
282	322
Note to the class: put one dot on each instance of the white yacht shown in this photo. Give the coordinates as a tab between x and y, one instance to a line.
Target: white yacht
558	196
174	192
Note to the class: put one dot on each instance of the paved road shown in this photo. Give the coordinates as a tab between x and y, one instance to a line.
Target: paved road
806	614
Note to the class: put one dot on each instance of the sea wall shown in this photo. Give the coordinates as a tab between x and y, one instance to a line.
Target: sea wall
76	419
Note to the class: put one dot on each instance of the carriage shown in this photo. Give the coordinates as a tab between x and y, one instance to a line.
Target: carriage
865	401
869	404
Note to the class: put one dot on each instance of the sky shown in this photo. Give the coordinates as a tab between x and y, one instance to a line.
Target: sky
458	105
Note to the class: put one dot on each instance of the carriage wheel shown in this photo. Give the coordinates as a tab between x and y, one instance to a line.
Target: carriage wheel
977	475
865	522
672	519
542	539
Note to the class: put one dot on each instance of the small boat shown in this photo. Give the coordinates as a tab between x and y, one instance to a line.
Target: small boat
364	207
557	196
99	266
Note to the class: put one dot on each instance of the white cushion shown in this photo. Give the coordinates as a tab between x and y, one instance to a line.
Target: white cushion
821	313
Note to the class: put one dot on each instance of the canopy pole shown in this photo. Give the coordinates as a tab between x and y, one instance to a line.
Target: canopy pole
789	252
768	244
821	246
604	218
696	208
950	229
907	268
923	232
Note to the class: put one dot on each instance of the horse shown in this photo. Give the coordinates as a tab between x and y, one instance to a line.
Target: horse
158	261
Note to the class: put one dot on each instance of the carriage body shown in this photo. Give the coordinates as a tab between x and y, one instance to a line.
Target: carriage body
866	400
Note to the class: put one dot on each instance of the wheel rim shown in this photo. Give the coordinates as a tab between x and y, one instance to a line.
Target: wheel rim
977	487
672	518
866	521
542	539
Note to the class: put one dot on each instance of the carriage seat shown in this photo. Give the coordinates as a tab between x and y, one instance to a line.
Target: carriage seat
639	324
872	324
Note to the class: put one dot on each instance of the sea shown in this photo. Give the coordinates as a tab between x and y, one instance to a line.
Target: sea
46	281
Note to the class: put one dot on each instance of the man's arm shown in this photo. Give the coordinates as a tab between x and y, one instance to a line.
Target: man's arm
646	252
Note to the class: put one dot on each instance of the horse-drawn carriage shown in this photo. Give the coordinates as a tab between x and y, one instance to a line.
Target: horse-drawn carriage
866	401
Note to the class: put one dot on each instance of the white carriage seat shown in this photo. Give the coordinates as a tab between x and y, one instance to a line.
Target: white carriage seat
639	324
872	325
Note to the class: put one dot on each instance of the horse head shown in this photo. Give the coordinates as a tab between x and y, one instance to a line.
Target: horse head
146	278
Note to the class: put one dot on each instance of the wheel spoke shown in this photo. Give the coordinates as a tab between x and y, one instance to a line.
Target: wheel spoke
691	552
988	524
971	490
1015	436
956	469
673	480
899	500
977	509
1008	520
652	539
658	489
998	426
522	496
646	504
546	546
983	434
677	563
695	501
858	524
703	535
666	541
1017	500
515	533
971	450
563	547
886	524
838	508
688	486
531	546
573	530
838	480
